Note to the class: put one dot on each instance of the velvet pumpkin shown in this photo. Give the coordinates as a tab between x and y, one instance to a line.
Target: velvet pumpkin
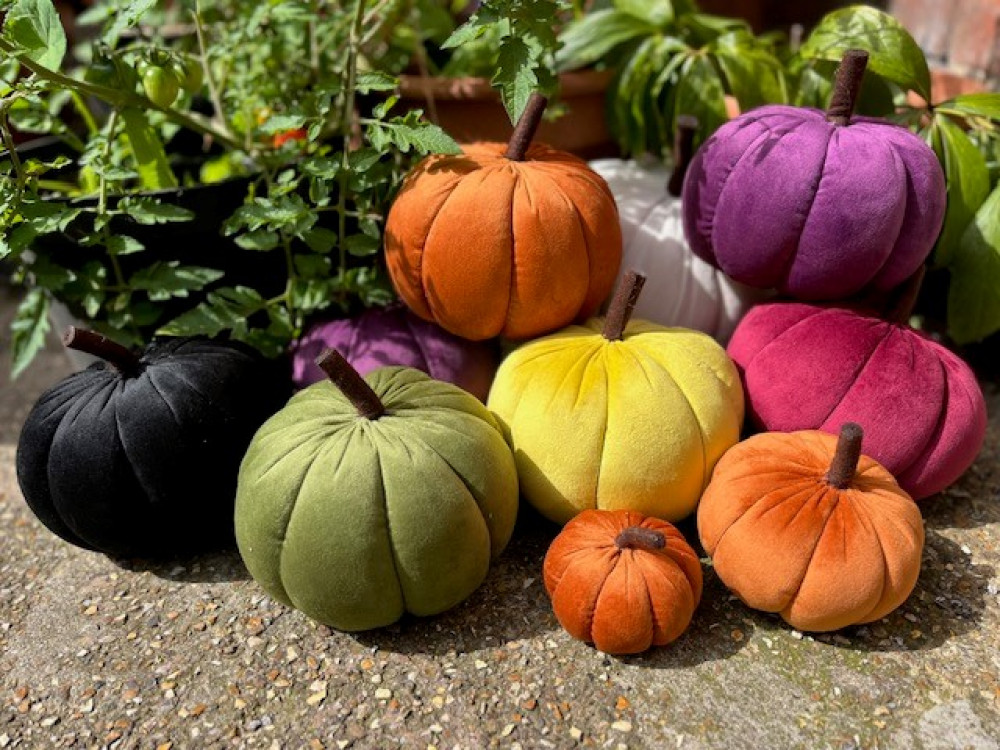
688	291
137	456
817	205
504	240
393	335
360	501
802	524
618	414
806	367
622	581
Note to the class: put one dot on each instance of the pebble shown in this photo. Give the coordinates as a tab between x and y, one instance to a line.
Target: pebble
622	726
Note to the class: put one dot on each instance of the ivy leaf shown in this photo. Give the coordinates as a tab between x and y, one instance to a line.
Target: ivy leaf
166	279
977	105
35	28
147	210
30	324
893	53
974	292
968	182
595	35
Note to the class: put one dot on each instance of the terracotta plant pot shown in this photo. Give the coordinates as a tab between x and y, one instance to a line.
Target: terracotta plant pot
469	109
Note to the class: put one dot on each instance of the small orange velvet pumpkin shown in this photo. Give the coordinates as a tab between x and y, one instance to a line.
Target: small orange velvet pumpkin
802	524
622	581
504	240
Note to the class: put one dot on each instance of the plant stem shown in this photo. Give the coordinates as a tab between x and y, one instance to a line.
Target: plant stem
213	90
85	113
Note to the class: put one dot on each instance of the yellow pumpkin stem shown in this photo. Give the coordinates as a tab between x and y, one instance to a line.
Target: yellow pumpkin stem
687	127
846	86
637	537
845	458
621	307
351	384
122	359
527	125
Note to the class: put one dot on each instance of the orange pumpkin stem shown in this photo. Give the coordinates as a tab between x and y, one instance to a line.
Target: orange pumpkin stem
351	384
122	359
636	537
845	459
846	86
527	125
620	310
687	126
906	298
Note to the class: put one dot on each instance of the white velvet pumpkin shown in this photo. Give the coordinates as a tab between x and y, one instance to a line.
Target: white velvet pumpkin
681	289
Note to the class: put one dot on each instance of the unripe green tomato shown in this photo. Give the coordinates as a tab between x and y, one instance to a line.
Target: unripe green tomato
190	74
161	85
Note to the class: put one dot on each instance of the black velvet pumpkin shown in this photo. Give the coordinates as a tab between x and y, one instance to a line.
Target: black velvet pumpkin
140	458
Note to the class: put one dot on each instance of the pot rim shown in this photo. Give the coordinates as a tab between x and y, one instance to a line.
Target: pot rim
571	84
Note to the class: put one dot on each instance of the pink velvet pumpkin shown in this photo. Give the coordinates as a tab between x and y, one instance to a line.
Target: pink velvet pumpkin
806	367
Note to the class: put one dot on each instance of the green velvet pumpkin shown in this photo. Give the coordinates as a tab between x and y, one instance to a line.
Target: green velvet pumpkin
357	503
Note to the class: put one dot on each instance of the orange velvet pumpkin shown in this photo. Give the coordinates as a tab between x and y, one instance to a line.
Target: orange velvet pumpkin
802	524
505	240
622	581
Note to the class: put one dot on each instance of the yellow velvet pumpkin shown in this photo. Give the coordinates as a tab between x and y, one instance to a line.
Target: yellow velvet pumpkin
618	415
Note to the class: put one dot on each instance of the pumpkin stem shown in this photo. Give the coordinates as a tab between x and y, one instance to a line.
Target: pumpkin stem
905	299
636	537
687	126
620	310
845	459
524	132
89	342
351	384
846	86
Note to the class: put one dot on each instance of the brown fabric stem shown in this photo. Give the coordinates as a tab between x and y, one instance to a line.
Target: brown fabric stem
620	310
351	384
846	86
122	359
687	126
527	125
905	298
845	459
636	537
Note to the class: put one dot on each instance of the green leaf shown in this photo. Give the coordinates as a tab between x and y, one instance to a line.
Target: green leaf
121	244
515	77
425	138
361	245
166	279
977	105
224	309
657	13
893	53
595	35
259	239
974	292
281	123
147	210
320	240
375	80
699	92
755	76
30	324
968	184
147	150
35	28
126	17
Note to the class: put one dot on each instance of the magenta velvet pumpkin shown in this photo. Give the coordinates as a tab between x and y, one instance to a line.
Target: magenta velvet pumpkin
806	367
815	205
394	336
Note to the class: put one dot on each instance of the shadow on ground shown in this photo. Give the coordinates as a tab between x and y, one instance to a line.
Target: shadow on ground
210	567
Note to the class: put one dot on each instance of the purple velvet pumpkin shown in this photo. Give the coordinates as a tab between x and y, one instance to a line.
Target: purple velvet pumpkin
818	205
394	336
809	367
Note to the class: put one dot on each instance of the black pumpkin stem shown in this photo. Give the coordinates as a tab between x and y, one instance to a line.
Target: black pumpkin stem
527	126
89	342
845	459
637	537
846	86
620	310
905	299
687	126
351	384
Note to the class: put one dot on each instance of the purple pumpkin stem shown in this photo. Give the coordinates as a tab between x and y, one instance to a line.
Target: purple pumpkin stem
846	86
526	127
636	537
845	458
905	300
687	126
89	342
620	310
351	384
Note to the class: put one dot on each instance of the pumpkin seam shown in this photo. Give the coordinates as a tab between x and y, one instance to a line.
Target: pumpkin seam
854	379
934	433
902	222
513	246
873	527
388	525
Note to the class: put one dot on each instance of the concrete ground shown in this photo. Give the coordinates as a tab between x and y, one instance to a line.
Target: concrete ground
191	654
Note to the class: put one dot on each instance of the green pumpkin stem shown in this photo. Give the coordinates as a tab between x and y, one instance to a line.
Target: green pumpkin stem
89	342
527	125
845	458
846	86
687	126
905	299
637	537
621	307
351	384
